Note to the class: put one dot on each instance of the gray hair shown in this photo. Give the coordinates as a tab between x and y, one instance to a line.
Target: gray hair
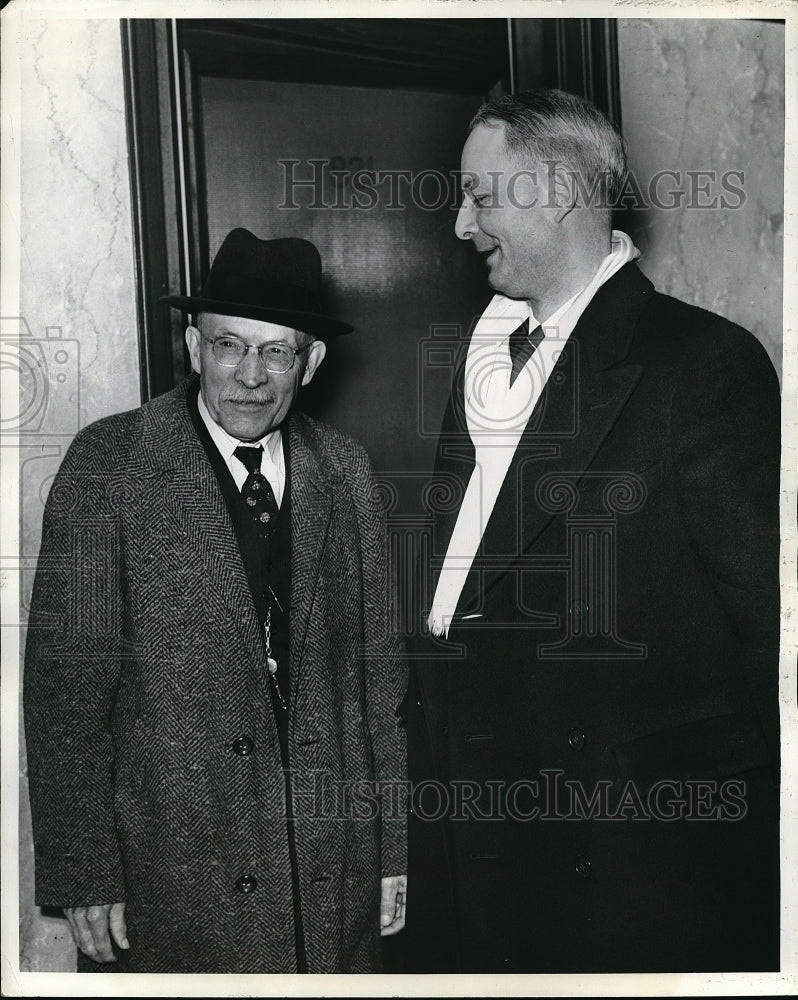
553	125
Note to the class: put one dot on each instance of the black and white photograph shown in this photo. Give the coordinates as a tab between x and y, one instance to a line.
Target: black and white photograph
399	483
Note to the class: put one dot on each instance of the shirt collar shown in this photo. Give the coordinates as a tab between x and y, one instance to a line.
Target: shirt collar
552	324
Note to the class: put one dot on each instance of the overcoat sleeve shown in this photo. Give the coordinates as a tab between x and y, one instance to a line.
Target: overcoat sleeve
725	449
72	665
385	671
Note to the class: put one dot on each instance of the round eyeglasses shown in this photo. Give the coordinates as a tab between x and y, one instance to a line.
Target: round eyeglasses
276	358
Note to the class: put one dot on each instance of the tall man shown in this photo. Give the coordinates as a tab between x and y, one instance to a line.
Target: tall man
210	684
597	697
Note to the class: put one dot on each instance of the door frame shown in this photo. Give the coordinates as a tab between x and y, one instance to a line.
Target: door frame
163	60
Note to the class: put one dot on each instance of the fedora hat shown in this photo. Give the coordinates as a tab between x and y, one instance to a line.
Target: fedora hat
276	281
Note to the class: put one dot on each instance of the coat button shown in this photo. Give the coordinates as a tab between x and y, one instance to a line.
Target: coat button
445	730
246	883
582	867
243	746
579	608
576	739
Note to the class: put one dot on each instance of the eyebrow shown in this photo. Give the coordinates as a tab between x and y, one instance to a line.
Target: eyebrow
237	336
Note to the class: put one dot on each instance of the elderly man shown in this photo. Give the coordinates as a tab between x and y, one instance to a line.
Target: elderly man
593	716
211	685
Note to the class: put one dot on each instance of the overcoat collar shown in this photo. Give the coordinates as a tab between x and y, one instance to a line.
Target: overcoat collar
311	510
172	463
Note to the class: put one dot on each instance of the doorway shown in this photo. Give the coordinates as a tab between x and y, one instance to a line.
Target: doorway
348	133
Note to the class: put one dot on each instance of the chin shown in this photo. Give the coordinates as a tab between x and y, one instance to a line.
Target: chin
507	288
246	430
498	280
249	437
500	286
246	425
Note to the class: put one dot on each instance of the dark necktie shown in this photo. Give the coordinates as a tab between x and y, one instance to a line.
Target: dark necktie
262	505
523	345
256	491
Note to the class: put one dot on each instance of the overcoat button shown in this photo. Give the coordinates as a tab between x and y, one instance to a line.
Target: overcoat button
576	739
243	746
445	730
246	883
579	608
583	867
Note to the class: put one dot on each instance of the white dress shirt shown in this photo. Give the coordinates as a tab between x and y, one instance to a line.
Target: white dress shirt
497	414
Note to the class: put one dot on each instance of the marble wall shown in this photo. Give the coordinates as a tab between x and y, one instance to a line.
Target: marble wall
708	95
78	341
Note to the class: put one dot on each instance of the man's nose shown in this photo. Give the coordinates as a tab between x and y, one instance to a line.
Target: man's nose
250	371
466	224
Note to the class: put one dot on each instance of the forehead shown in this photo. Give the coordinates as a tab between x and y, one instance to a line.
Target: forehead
254	331
484	153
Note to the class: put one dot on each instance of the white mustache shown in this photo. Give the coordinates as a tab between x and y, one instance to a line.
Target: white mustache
255	400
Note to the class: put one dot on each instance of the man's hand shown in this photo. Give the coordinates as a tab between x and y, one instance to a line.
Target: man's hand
93	927
392	904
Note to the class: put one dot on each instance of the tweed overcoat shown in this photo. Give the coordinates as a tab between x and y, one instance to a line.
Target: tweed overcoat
145	665
622	667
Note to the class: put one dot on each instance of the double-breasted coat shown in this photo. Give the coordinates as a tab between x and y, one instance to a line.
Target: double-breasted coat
153	755
612	668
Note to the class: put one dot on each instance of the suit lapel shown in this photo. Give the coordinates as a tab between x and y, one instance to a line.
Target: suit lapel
579	407
311	511
581	411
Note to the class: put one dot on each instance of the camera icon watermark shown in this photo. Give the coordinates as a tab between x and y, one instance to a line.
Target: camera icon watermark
48	403
38	421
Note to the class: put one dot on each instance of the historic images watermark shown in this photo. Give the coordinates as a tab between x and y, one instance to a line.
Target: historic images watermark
548	796
335	185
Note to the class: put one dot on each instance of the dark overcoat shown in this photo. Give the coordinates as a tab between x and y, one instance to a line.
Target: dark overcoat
145	668
619	683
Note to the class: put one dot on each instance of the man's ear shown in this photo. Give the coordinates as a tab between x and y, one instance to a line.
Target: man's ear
193	338
563	190
316	353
